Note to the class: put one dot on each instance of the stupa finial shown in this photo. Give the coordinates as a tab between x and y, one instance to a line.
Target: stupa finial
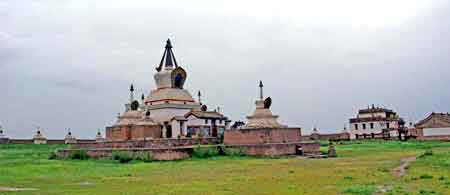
131	92
199	97
168	59
261	96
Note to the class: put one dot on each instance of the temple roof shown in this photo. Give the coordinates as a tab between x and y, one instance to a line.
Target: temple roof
435	120
168	59
374	109
206	115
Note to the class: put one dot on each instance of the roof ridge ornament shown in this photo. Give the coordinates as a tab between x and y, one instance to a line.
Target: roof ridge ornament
168	58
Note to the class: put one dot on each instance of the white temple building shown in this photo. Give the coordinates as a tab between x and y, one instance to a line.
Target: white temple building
374	122
169	111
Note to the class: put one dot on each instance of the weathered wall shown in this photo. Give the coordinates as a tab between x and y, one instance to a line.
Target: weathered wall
21	141
49	141
278	149
154	154
135	132
331	136
261	136
4	140
118	133
152	143
140	132
438	137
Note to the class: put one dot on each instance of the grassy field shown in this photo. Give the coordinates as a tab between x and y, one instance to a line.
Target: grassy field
361	168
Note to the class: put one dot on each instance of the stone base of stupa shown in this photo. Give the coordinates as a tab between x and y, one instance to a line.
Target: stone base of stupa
270	141
39	140
71	140
4	140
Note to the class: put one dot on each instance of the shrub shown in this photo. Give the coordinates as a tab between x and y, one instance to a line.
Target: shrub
383	169
427	192
145	157
426	176
52	156
79	155
205	152
122	157
348	177
427	152
234	152
360	190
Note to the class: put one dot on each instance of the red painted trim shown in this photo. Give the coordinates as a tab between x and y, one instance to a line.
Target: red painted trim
163	100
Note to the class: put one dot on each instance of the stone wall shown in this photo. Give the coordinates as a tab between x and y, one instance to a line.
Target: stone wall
262	136
151	143
49	141
154	154
21	141
328	137
278	149
135	132
4	140
437	137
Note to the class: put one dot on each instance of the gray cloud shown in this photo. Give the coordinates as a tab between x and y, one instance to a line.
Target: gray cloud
69	63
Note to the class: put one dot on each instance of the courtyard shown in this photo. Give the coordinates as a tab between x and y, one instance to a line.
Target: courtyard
370	167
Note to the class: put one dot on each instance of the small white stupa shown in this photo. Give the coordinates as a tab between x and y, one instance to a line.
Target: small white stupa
70	139
39	137
263	117
2	135
99	137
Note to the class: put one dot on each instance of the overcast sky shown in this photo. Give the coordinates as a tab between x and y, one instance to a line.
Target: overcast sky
69	64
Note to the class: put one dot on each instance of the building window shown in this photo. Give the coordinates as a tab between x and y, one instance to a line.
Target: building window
364	125
371	125
387	125
356	126
206	131
189	132
206	121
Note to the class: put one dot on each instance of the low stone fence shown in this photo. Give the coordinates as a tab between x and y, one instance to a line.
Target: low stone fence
152	153
151	143
49	141
21	141
328	137
436	137
4	140
279	149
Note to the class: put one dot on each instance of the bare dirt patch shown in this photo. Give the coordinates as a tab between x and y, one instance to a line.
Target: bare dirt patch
12	189
400	171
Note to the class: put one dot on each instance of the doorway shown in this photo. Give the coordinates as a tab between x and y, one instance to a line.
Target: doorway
168	130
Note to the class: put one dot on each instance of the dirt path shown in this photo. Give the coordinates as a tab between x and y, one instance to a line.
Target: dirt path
400	171
10	189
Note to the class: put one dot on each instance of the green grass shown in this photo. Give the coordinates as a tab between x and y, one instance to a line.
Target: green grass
361	168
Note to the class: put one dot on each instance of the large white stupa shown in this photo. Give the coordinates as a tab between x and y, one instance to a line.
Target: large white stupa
168	106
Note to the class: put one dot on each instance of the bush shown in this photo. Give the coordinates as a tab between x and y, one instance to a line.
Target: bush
52	156
79	155
426	176
234	152
122	157
360	190
427	152
348	177
427	192
145	157
205	152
